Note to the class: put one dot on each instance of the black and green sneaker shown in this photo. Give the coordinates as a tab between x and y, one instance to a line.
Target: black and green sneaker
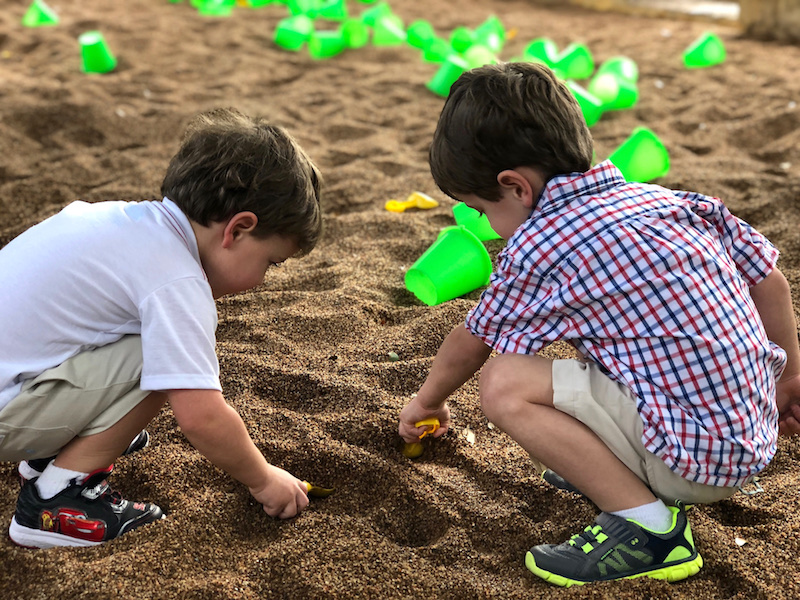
559	482
617	548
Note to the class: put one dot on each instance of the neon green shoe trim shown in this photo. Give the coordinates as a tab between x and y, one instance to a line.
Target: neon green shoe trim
688	535
530	563
671	573
679	553
675	572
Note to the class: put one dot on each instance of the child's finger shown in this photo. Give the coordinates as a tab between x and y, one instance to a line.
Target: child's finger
415	434
441	430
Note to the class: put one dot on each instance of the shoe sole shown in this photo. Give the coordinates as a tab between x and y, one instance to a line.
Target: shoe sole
28	537
670	573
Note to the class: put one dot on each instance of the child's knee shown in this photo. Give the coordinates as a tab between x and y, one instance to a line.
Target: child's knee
511	379
492	388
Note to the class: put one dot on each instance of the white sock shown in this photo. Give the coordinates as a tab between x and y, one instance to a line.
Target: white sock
27	471
55	479
654	516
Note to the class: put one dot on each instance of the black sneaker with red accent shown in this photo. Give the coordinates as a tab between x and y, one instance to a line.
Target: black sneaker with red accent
84	514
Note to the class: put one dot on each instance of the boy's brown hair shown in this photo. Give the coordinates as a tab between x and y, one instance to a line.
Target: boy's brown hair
229	163
506	116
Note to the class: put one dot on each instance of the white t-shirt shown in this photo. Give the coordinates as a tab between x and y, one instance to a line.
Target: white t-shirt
95	272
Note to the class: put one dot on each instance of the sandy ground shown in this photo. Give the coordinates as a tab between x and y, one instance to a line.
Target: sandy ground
305	357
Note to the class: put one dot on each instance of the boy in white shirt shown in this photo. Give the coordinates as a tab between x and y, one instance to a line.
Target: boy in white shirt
108	311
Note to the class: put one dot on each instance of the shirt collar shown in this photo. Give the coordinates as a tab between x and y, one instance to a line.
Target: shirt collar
181	225
561	189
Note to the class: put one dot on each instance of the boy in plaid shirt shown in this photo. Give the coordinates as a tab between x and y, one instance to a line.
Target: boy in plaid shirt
689	355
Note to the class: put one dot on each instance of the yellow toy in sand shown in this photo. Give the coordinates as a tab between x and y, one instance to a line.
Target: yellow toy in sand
415	200
316	491
415	449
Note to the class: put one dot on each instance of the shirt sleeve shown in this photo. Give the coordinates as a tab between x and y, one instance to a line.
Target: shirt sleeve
179	321
516	313
754	255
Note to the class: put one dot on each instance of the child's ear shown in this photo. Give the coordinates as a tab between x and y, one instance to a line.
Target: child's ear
238	225
514	183
523	184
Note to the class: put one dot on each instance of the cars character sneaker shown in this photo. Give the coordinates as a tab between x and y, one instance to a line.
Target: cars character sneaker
84	514
617	548
28	469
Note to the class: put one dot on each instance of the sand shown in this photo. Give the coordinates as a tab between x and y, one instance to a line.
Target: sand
305	357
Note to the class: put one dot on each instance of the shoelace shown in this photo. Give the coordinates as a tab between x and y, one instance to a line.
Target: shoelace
587	540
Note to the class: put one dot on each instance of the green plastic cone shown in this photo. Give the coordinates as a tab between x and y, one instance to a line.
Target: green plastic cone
388	31
95	54
336	10
541	50
642	157
420	34
39	15
462	38
355	33
303	7
591	106
216	8
706	51
621	66
614	92
292	33
491	34
446	76
437	51
324	44
455	264
575	62
478	55
371	15
474	222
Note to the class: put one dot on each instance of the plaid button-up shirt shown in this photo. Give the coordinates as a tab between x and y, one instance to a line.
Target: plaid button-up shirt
653	286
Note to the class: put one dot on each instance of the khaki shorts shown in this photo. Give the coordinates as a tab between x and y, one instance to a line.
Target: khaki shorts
84	395
582	391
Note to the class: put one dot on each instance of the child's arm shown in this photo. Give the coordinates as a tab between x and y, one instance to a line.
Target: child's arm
460	355
773	300
218	432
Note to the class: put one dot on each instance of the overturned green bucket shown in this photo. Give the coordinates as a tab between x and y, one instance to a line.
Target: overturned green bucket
454	265
96	57
474	222
642	157
706	51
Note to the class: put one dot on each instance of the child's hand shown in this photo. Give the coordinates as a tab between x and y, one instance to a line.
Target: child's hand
414	412
282	495
788	398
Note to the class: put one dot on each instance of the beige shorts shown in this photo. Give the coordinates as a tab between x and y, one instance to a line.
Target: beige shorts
84	395
581	390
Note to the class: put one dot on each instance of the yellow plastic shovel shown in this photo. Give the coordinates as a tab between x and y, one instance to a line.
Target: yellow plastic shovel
415	200
414	449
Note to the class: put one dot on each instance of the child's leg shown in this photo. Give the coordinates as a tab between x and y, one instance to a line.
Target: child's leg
636	534
85	455
85	395
96	395
517	396
97	451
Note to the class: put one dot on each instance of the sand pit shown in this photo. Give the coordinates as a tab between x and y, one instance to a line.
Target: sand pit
305	357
